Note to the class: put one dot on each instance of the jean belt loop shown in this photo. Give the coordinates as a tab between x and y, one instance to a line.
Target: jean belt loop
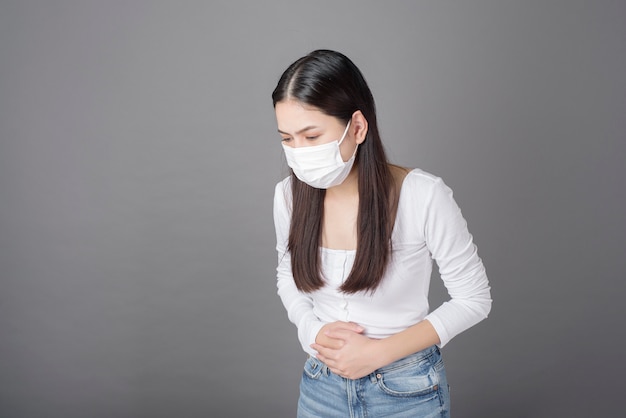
373	376
325	369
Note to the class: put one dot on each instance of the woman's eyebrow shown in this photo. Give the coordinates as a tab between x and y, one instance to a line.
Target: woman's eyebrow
308	128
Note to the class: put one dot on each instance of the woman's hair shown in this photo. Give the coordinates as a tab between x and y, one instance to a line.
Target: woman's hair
330	82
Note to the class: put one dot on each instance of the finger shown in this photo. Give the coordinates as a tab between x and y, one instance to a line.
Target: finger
321	350
339	334
350	326
323	358
329	342
323	353
356	327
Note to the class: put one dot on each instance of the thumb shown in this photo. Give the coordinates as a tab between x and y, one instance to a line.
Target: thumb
356	327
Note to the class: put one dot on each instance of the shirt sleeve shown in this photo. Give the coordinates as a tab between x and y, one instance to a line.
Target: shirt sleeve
299	305
460	267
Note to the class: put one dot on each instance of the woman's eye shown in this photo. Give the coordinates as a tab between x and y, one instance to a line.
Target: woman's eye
311	138
285	139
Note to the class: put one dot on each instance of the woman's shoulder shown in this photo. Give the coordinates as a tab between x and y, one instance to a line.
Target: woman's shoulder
282	191
419	180
284	184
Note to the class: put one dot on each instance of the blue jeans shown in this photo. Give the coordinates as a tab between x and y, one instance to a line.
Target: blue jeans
414	386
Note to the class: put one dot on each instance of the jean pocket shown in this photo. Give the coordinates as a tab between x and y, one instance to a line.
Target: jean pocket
313	368
419	379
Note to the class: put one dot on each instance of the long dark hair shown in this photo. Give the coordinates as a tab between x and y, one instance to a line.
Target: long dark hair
330	82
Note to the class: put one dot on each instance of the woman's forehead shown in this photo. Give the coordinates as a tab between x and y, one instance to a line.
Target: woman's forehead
292	116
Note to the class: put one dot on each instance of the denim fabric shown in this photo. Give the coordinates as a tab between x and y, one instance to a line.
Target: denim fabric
414	386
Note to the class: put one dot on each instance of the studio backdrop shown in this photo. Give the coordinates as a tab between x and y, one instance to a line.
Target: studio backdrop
138	158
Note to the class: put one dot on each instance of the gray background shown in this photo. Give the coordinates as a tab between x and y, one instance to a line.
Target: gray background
138	156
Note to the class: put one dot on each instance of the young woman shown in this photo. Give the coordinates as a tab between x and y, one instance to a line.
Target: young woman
356	237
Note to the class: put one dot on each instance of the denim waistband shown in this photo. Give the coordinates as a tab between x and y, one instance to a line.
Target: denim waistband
409	360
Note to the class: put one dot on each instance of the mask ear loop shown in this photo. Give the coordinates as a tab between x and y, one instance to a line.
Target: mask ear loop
344	133
343	137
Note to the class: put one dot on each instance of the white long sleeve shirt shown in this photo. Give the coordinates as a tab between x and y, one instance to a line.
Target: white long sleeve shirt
429	226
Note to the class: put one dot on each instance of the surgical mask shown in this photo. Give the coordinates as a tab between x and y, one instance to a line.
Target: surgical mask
320	166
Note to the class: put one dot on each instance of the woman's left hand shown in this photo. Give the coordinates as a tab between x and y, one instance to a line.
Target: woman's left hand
352	355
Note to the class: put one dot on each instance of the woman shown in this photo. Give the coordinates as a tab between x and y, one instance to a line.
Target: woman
356	237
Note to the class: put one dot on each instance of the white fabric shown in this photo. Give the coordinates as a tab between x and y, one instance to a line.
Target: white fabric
429	226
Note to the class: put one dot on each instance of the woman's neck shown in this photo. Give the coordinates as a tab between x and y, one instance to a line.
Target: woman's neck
349	187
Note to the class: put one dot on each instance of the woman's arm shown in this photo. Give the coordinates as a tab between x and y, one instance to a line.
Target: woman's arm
299	306
451	245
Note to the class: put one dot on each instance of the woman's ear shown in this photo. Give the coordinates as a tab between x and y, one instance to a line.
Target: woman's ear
358	126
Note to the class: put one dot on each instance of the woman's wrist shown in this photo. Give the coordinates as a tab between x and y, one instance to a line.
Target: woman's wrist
380	353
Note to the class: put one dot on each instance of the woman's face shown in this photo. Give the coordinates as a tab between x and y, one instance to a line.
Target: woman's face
303	126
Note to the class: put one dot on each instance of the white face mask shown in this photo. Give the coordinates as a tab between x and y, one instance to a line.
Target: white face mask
320	166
